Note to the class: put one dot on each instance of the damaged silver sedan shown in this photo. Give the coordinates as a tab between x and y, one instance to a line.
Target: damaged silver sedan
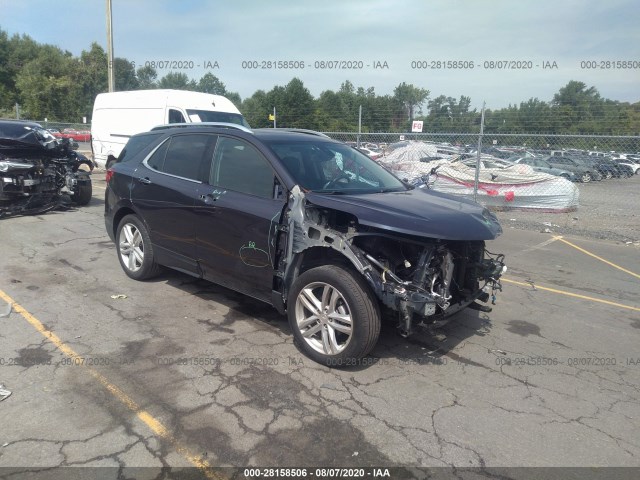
305	223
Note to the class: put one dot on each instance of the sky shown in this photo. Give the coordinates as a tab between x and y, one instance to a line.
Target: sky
371	43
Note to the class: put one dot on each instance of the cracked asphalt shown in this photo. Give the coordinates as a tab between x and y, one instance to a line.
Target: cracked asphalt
183	373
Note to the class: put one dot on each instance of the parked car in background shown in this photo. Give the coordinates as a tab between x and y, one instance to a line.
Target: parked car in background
605	167
76	135
304	223
541	165
584	173
369	153
633	165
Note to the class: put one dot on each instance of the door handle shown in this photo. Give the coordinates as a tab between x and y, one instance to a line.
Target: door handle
144	180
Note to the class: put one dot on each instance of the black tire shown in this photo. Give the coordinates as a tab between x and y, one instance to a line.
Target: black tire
83	193
585	177
608	175
565	176
135	252
342	294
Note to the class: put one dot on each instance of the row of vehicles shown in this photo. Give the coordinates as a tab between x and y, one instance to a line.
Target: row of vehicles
576	165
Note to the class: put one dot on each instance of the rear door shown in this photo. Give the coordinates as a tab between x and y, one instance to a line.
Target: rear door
164	191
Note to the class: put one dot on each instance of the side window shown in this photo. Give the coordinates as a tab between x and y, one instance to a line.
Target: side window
175	116
238	166
184	156
157	159
135	145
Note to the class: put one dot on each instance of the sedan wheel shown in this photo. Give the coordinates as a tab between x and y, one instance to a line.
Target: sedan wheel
585	177
608	175
334	318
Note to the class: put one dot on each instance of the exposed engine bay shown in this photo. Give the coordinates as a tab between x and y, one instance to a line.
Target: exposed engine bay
424	280
39	172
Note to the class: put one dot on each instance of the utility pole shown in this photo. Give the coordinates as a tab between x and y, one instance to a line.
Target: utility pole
111	76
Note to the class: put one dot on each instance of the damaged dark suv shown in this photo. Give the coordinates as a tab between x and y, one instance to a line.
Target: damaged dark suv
39	172
302	222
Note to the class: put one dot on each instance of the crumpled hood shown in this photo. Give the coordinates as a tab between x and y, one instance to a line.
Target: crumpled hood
418	212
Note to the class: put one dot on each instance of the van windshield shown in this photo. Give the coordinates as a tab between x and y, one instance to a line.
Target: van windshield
211	116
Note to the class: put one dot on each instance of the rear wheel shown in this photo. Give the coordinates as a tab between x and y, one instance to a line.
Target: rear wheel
333	315
134	249
586	177
608	175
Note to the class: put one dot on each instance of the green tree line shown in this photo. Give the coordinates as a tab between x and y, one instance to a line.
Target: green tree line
48	82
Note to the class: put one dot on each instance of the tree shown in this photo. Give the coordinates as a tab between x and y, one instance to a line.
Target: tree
147	77
178	81
295	106
125	75
45	88
256	109
411	97
209	83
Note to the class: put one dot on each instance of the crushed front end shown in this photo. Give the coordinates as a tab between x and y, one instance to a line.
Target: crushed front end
423	280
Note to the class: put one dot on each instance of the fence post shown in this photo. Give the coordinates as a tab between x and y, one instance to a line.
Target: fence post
359	126
475	183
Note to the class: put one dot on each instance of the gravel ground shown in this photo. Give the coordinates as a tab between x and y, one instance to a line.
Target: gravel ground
609	210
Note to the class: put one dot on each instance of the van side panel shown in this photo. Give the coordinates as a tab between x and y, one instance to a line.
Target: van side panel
119	115
111	128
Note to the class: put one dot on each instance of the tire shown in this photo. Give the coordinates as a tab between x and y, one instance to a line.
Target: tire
135	252
84	191
585	177
608	175
340	294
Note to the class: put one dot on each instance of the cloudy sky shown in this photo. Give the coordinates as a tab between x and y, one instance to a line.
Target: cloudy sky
227	37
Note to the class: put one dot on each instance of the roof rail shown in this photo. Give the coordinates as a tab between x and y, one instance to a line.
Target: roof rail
297	130
204	124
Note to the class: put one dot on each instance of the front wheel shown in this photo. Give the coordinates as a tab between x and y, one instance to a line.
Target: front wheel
585	177
333	315
608	175
83	192
134	249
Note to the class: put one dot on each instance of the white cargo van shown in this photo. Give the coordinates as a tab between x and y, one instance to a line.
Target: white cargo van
119	115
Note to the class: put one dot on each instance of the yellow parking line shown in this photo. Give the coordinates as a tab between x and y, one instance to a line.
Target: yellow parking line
569	294
597	257
155	425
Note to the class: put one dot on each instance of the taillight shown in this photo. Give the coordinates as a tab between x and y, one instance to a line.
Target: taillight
109	175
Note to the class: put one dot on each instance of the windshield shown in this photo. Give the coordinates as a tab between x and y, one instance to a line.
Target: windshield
211	116
333	168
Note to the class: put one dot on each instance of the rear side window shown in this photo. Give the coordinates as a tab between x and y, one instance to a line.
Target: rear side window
186	156
135	145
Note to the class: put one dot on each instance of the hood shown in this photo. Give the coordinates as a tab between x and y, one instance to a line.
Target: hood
419	212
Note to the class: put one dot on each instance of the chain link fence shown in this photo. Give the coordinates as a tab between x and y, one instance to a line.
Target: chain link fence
540	173
582	184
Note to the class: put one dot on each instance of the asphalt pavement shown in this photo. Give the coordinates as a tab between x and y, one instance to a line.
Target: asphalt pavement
178	372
